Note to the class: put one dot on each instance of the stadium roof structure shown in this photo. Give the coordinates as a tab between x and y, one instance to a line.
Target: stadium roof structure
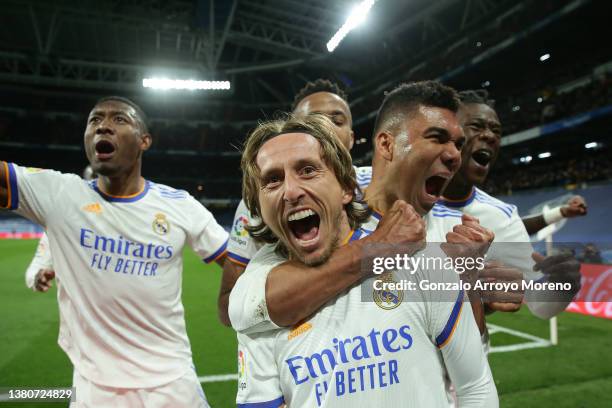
267	48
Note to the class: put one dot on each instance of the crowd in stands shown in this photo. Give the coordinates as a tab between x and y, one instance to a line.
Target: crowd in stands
551	172
546	106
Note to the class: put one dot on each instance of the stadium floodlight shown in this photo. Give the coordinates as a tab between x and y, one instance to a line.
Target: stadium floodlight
591	145
544	57
186	84
357	16
544	155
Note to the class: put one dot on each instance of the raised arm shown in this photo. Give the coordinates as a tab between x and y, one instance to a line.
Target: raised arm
4	184
575	207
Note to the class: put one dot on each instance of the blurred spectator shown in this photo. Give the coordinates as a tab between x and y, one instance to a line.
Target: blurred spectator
591	255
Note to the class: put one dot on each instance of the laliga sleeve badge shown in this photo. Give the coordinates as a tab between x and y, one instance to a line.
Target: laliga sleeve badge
387	299
161	226
241	370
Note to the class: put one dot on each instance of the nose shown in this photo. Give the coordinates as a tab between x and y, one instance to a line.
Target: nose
293	191
451	157
488	136
104	127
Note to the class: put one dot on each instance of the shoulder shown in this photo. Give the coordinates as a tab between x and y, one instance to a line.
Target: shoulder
168	193
440	210
492	202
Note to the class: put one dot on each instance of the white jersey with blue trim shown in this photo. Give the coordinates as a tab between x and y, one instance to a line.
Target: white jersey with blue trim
511	244
242	247
358	351
248	311
119	265
503	219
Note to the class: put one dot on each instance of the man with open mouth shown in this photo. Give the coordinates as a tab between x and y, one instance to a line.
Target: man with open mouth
512	245
299	179
416	153
319	96
117	244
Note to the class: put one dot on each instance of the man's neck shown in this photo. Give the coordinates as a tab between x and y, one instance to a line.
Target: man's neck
458	189
377	198
126	184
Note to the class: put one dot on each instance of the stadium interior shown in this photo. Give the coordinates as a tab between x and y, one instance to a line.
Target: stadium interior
546	63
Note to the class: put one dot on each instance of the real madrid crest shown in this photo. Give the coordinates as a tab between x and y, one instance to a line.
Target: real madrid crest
387	299
161	225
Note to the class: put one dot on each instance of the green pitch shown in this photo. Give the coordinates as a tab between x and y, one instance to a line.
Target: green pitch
575	374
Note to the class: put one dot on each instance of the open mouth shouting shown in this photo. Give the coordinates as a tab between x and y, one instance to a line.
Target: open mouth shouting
481	158
434	186
304	227
105	150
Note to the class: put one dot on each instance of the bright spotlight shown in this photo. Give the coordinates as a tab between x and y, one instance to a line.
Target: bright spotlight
591	145
544	57
188	84
516	108
544	155
540	99
357	16
525	159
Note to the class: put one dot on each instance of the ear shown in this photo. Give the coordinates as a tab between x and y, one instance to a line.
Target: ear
145	141
384	144
347	196
352	141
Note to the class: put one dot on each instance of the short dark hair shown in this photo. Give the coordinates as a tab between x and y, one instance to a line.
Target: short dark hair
319	85
409	96
141	116
479	96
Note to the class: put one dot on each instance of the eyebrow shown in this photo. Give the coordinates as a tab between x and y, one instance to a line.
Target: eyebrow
332	113
437	129
100	112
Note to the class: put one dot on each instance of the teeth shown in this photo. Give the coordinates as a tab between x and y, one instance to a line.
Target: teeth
301	215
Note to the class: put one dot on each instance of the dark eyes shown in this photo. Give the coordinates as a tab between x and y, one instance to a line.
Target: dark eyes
118	119
308	170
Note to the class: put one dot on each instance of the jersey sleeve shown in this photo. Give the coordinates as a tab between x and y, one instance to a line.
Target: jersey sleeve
42	260
34	193
207	238
241	246
452	328
258	373
248	310
512	247
464	357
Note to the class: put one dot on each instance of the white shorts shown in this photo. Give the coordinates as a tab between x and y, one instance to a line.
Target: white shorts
183	392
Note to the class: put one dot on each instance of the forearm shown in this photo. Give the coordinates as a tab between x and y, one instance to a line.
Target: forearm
534	223
231	273
295	291
468	367
478	310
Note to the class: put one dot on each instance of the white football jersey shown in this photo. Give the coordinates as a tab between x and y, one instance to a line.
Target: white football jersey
503	219
248	311
42	260
242	247
119	263
511	244
361	351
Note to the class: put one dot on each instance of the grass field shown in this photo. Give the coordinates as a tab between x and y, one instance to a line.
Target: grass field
575	374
